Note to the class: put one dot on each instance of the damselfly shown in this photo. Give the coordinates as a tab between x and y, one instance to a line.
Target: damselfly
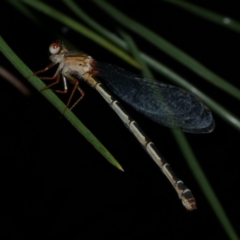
168	105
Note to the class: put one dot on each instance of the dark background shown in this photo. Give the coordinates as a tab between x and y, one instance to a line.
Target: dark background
56	185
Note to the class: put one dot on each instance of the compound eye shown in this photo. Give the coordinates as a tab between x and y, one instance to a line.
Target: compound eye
54	48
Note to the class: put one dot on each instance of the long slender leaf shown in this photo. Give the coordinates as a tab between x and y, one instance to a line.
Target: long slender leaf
158	66
170	49
219	19
188	154
205	185
71	23
59	105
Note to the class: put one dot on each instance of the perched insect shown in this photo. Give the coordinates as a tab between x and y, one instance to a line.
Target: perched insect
165	104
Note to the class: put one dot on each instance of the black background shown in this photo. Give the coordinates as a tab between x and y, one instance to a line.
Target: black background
56	185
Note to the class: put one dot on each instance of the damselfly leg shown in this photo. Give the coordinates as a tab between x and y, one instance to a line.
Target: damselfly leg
57	78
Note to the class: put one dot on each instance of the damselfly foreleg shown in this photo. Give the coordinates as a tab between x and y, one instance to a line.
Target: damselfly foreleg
43	70
56	78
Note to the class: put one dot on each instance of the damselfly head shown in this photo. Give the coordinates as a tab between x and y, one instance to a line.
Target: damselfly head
57	50
54	48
